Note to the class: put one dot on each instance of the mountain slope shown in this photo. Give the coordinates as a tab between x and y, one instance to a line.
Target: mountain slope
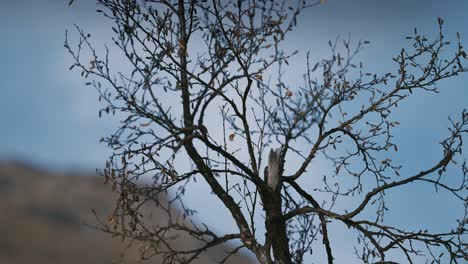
42	215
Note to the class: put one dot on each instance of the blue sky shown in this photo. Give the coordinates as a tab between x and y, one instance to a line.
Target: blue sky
50	118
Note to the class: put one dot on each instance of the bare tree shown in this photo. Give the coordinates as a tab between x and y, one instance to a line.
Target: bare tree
224	64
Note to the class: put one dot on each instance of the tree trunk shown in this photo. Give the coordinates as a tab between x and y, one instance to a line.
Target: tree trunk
276	228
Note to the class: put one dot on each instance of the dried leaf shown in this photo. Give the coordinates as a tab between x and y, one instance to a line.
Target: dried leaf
232	136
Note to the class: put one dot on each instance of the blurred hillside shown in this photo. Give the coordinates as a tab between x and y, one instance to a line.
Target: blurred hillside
42	215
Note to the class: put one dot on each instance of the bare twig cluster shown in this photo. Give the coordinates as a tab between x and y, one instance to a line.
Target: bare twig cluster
206	85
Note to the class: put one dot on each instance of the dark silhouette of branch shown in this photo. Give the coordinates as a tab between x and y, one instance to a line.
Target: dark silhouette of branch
204	98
